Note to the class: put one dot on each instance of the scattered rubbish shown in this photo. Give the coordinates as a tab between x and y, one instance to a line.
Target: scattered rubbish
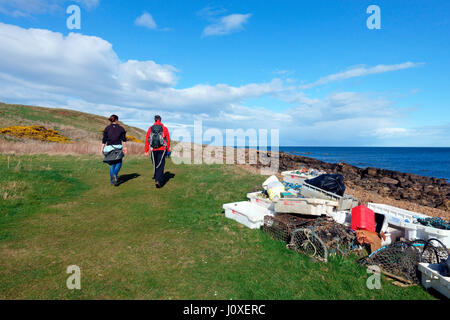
401	259
371	238
342	217
260	199
391	235
280	227
395	215
346	202
433	278
299	176
407	221
323	237
435	222
309	212
274	188
247	213
398	260
333	183
363	218
288	195
292	186
432	250
308	206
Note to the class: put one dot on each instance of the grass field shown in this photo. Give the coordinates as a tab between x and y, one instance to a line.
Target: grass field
138	242
78	126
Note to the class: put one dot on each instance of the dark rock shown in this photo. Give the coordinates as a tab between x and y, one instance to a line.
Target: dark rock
387	180
423	190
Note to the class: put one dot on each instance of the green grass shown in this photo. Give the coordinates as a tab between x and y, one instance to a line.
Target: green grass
138	242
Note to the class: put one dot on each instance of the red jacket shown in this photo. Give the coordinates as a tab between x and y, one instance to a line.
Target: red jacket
166	138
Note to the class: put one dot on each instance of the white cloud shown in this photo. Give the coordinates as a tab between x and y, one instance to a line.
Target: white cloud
87	68
146	20
209	12
226	25
360	72
392	132
84	73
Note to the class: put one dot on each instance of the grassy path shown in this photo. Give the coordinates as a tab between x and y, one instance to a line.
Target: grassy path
138	242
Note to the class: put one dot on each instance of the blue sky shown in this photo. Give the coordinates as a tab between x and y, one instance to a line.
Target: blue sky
311	69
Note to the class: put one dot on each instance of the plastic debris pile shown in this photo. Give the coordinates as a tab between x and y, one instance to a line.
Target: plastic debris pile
310	212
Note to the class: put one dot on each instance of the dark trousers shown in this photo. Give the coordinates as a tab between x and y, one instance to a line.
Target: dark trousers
159	161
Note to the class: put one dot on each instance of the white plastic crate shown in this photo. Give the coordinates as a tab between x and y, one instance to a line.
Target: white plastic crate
295	177
342	217
258	199
394	214
247	213
346	202
308	206
431	278
310	191
404	219
392	235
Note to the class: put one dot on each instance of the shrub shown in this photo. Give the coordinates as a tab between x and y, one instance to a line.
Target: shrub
36	133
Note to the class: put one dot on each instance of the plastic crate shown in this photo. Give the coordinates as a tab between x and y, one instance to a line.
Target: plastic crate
310	191
346	202
258	199
307	206
431	278
247	213
394	214
404	219
295	177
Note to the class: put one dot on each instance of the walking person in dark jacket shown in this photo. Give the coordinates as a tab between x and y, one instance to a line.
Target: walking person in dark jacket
158	139
114	138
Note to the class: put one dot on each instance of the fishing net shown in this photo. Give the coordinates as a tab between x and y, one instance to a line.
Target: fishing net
280	227
290	185
323	237
306	241
435	222
432	250
400	259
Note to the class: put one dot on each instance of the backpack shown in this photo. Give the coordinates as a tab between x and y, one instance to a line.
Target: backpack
156	136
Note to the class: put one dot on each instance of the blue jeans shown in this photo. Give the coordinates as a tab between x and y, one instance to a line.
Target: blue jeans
114	169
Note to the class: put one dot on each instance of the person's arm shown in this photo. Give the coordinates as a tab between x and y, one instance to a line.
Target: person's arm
166	134
105	134
147	144
124	141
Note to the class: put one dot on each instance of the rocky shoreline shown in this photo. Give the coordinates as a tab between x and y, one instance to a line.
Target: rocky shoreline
425	191
370	184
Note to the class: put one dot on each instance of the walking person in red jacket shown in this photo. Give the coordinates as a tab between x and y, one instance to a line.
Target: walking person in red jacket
158	140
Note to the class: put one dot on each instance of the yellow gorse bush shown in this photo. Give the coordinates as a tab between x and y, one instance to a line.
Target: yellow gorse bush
35	132
133	139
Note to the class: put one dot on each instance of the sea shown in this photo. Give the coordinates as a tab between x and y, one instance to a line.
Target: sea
431	162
